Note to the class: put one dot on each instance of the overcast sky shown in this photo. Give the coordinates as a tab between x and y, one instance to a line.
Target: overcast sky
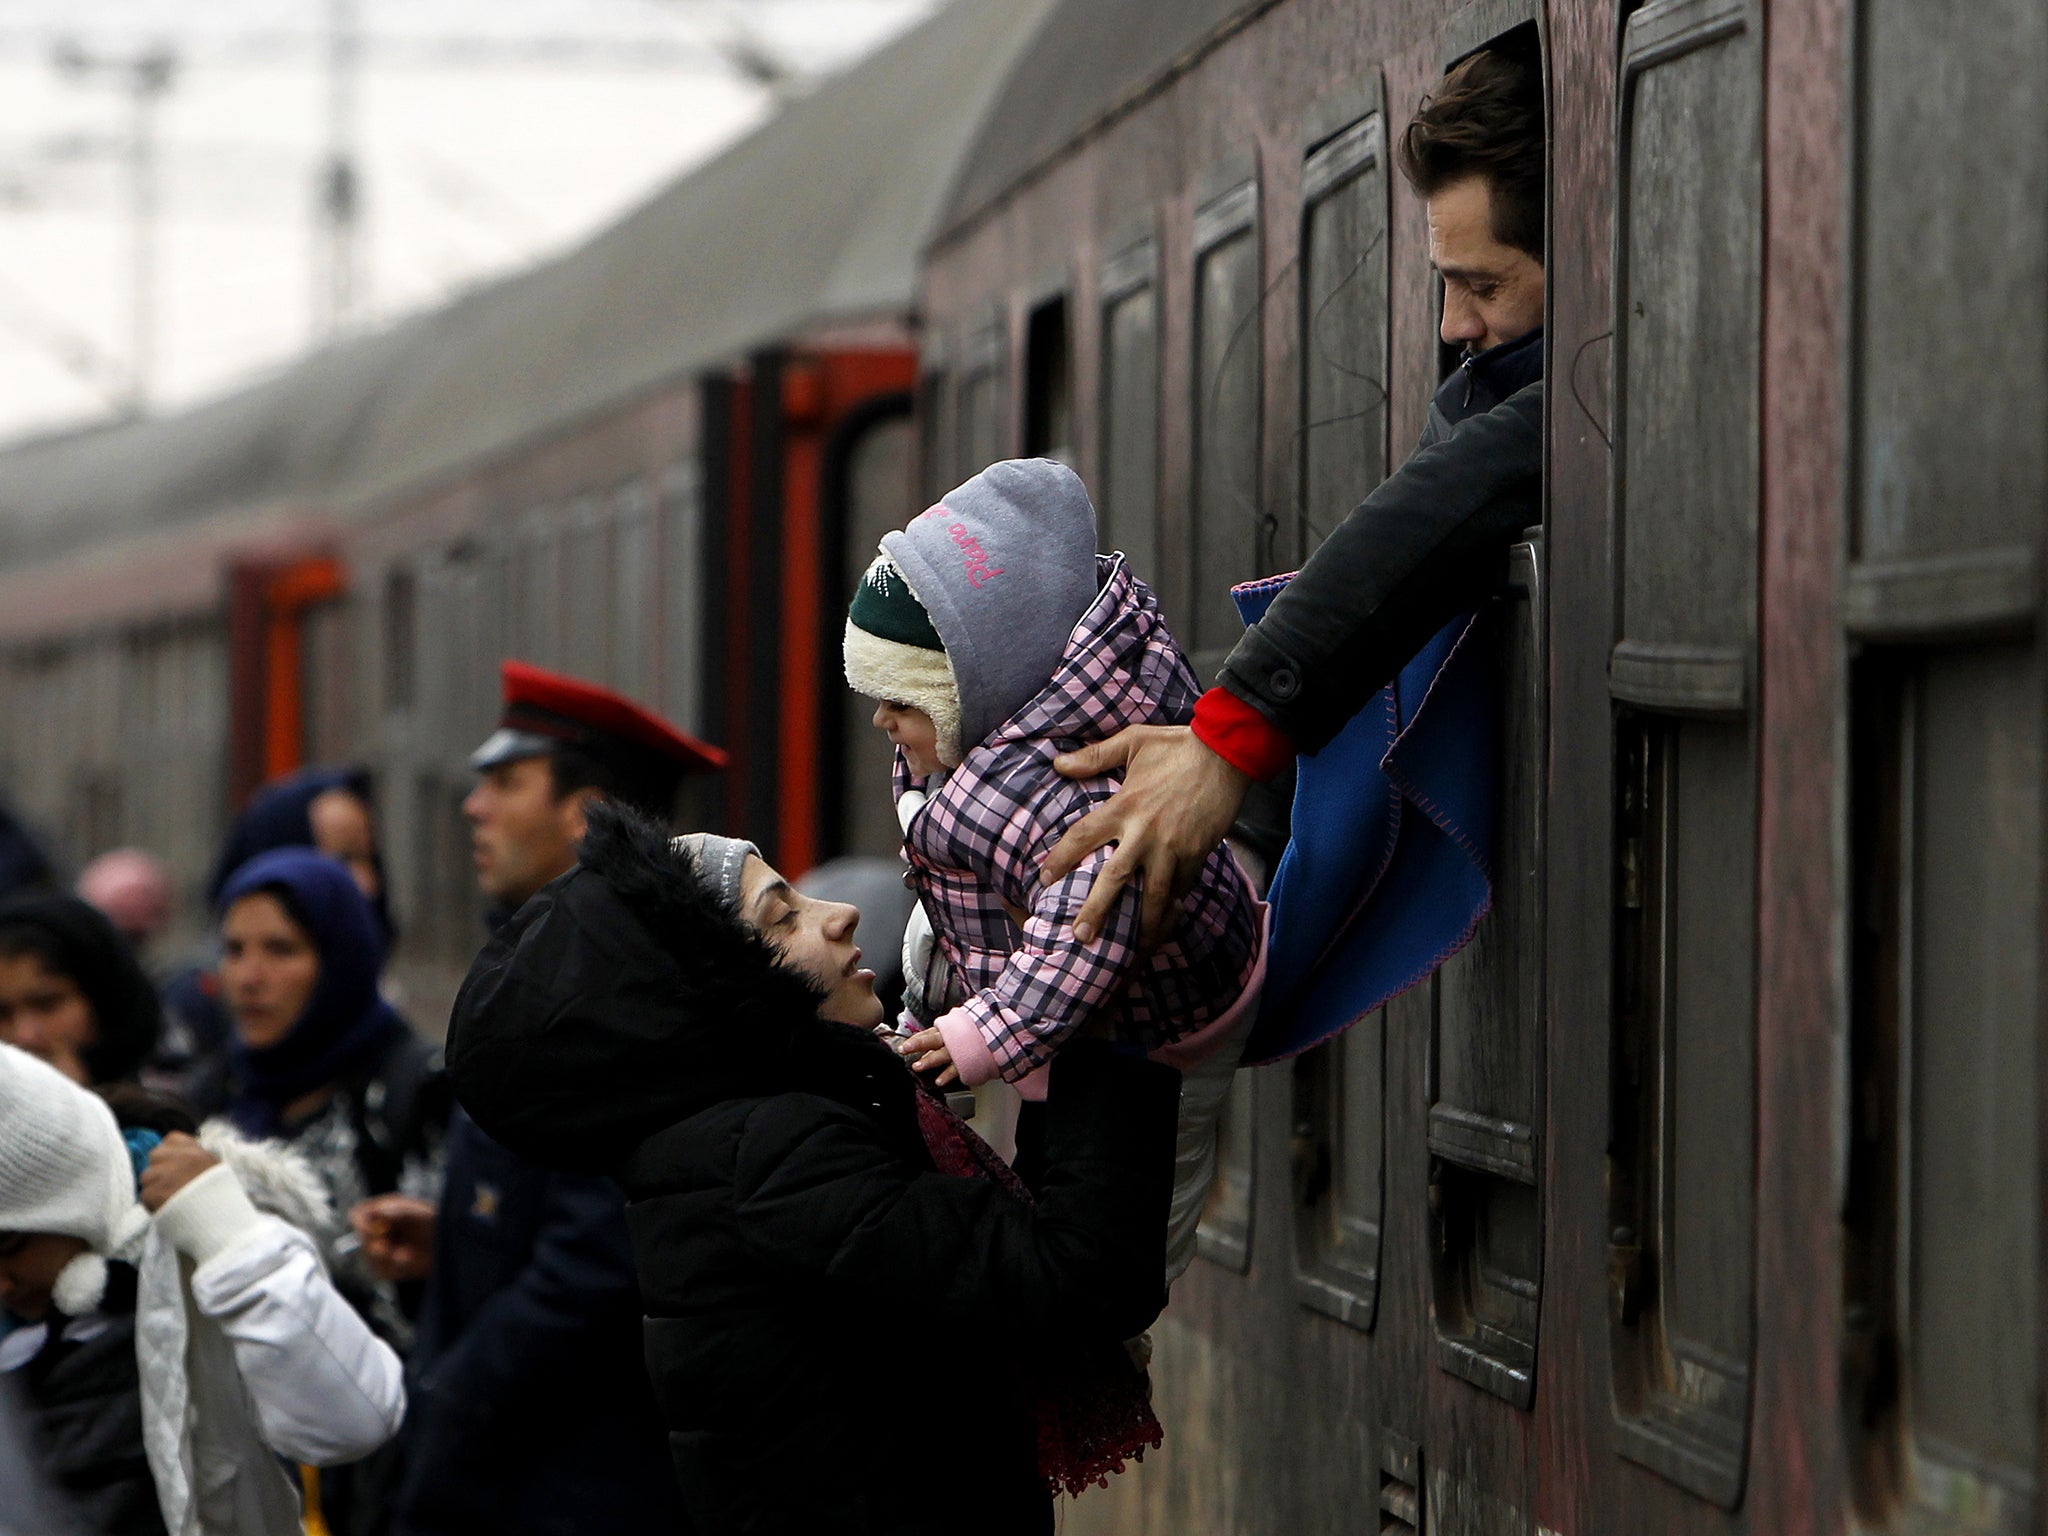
489	133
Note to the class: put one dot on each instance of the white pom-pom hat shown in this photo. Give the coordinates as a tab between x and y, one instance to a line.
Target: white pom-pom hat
65	1170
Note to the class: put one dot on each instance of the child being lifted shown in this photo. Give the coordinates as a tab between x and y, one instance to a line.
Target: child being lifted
996	638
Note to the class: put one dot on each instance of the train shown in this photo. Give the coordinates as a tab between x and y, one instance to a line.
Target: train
1703	1191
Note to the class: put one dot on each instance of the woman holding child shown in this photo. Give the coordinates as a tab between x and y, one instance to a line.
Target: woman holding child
819	1241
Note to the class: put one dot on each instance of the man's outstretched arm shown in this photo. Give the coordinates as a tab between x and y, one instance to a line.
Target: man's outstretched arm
1415	553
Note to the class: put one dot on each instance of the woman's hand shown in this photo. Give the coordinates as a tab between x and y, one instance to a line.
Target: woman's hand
176	1162
926	1052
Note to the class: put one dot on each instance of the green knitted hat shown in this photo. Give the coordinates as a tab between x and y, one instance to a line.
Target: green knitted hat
885	607
892	652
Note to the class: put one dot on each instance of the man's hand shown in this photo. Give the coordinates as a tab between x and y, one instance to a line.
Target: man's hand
176	1162
397	1234
926	1052
1177	801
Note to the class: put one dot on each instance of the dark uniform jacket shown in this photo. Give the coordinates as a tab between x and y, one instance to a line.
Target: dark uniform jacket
1421	549
814	1289
530	1412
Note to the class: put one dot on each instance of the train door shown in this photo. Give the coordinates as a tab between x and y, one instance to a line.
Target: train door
1943	622
870	488
273	606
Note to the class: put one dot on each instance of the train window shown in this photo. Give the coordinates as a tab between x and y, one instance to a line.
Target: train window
1337	1148
1687	328
634	572
1225	1234
538	562
682	553
1048	383
1127	485
1230	540
1486	1076
399	638
1949	269
984	404
589	645
1343	325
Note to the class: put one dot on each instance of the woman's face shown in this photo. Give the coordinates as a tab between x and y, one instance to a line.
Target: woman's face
46	1014
343	830
814	937
30	1263
268	969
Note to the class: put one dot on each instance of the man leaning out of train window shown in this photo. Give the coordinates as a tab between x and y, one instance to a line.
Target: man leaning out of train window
1419	550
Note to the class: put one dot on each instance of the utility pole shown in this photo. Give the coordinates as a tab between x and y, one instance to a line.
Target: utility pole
336	280
146	77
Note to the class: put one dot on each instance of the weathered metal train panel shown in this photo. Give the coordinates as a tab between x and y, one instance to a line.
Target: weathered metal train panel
1946	473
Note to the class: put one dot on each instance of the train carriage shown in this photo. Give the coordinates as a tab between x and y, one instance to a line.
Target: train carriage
1703	1191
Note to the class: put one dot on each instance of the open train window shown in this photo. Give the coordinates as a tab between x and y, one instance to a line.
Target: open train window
1683	675
1048	382
983	427
1128	481
1943	614
1230	538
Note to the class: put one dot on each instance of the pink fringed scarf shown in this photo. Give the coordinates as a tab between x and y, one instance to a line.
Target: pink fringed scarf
1092	1414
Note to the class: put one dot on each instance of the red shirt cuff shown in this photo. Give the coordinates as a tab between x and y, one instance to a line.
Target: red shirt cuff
1240	735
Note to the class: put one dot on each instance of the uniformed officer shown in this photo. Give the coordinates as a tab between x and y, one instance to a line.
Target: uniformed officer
530	1411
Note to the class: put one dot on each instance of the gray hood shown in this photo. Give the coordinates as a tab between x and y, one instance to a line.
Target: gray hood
1005	566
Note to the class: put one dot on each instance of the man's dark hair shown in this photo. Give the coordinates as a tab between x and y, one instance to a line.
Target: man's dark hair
1486	119
570	770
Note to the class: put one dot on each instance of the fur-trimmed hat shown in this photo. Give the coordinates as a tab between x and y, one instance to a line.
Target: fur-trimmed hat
65	1171
894	653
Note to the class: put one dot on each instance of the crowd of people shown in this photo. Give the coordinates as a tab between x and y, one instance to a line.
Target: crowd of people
683	1217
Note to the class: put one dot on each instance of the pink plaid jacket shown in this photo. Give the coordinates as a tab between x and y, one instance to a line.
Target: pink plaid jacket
974	852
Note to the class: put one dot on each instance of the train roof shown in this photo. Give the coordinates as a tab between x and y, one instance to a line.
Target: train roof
1090	60
817	215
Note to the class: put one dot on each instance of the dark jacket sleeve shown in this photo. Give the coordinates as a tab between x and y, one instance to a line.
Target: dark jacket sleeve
824	1198
1418	551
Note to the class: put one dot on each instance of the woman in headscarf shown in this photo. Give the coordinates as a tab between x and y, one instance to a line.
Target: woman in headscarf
813	1228
320	1060
72	991
333	810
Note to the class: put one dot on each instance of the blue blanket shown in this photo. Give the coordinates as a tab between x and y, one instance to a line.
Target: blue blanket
1390	865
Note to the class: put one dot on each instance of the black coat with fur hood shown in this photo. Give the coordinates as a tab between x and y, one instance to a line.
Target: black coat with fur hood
827	1316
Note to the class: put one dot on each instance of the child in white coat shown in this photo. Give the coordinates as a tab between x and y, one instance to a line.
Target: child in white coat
175	1332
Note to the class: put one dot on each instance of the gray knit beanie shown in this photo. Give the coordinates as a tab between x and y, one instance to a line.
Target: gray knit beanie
1005	566
722	861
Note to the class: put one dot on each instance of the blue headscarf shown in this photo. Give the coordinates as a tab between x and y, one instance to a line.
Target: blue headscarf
280	815
345	1026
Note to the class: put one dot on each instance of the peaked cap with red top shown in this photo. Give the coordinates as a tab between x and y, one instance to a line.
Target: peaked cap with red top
546	712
